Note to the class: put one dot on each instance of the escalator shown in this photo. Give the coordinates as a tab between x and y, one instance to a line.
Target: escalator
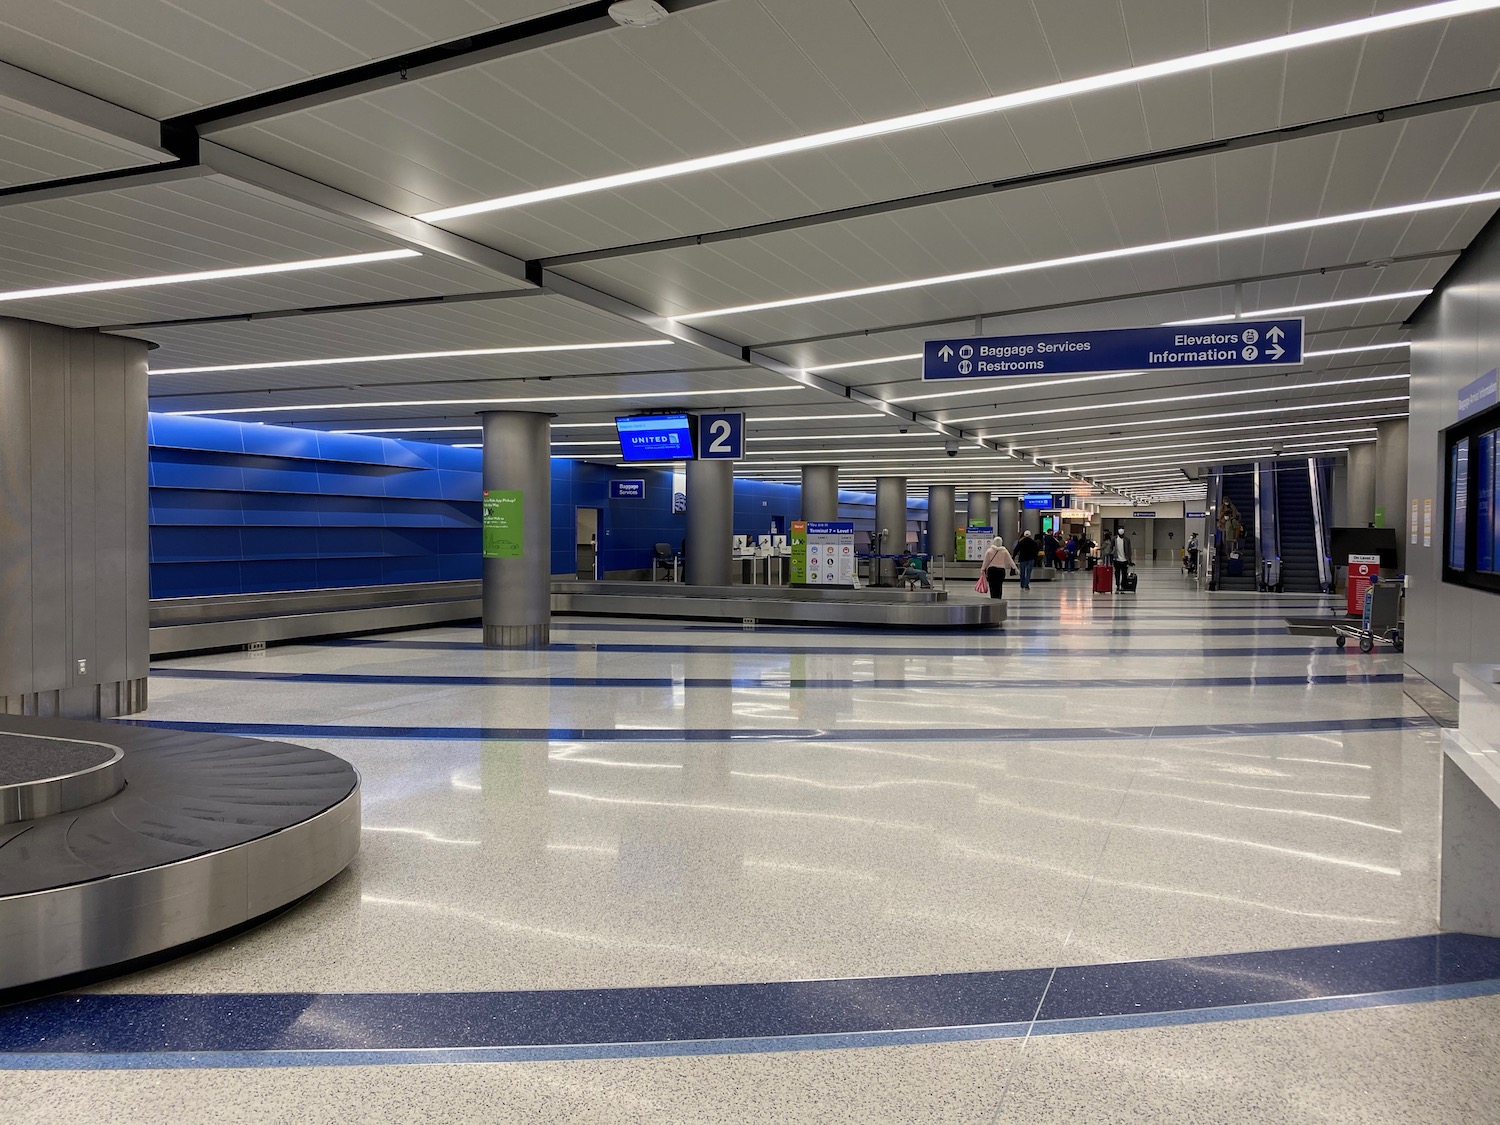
1239	489
1297	528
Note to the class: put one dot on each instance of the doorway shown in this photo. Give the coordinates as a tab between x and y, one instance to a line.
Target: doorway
587	540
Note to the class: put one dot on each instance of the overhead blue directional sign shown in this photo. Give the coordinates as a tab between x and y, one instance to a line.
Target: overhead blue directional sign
1233	343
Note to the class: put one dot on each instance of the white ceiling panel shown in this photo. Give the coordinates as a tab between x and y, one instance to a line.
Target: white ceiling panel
745	72
163	58
34	149
204	224
508	322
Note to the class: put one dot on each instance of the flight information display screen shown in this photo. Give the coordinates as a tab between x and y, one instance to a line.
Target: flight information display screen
656	437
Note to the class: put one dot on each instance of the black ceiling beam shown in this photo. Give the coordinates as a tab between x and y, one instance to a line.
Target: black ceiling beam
541	31
1239	143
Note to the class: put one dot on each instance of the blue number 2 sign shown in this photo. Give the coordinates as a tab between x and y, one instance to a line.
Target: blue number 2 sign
721	437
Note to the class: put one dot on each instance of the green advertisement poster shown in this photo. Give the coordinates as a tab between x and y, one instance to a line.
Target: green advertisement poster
961	544
1379	517
502	523
799	552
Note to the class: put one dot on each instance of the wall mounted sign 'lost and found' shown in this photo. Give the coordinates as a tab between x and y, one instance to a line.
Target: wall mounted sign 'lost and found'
1233	343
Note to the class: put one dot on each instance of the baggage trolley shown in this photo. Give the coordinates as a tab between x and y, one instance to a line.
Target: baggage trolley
1385	604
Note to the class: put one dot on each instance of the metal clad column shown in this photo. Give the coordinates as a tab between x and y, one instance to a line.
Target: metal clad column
517	592
74	558
979	509
940	538
1009	527
1390	478
710	522
820	493
1361	509
890	517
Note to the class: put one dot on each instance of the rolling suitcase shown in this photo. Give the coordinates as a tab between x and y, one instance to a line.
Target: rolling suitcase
1103	579
1129	582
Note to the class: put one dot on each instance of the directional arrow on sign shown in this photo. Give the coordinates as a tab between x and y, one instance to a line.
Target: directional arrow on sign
945	353
1275	333
1275	351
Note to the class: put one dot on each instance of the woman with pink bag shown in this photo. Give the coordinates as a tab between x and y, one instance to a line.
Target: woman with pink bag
997	561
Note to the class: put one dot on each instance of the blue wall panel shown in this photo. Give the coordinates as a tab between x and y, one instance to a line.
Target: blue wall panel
239	508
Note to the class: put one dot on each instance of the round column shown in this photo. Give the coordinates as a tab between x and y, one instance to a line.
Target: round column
979	509
710	522
1391	442
820	493
890	517
940	538
1031	520
1009	527
516	476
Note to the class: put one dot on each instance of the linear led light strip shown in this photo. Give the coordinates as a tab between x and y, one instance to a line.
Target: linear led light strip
1304	408
1235	429
1280	388
311	407
1192	456
1183	64
1289	309
208	275
1322	435
523	350
1104	255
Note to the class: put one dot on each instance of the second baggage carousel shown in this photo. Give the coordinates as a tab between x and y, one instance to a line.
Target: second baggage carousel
781	605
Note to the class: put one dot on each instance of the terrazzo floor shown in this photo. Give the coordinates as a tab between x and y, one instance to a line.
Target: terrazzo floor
1108	779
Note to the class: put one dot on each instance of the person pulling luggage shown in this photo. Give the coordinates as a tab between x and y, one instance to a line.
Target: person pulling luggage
1121	555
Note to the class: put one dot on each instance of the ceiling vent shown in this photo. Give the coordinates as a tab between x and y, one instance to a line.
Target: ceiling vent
637	13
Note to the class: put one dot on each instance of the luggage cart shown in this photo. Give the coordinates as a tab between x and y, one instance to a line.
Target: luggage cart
1385	604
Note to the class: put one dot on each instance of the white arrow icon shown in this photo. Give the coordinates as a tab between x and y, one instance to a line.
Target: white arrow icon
1275	351
945	353
1274	333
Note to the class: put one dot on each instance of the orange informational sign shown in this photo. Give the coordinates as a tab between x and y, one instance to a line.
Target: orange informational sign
1363	571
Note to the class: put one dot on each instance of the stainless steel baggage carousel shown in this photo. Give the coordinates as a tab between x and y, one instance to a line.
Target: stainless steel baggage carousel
787	605
119	843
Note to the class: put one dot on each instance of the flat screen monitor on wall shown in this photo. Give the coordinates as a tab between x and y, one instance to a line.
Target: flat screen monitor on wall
1471	525
655	437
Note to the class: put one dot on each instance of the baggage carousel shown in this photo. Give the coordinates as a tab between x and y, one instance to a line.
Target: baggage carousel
120	843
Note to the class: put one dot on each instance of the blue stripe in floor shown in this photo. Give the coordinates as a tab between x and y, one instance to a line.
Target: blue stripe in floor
782	734
991	645
769	680
299	1029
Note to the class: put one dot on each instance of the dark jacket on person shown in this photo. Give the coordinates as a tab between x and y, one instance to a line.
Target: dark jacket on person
1027	549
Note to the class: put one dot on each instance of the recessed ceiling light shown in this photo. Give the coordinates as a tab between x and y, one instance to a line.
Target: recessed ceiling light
523	350
1183	64
1360	348
1102	255
208	275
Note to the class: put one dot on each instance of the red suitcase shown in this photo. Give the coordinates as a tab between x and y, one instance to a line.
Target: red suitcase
1104	577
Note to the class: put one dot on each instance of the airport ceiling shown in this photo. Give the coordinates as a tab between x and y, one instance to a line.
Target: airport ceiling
764	205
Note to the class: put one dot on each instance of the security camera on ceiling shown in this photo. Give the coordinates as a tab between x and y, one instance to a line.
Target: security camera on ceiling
637	13
951	448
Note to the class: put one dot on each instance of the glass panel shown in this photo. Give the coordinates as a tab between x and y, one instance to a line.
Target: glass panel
1458	505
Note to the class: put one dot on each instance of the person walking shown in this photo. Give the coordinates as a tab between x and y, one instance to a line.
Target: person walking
1122	556
997	562
1025	556
1050	547
1192	553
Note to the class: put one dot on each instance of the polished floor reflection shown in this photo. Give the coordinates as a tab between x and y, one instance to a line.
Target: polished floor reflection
1110	779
